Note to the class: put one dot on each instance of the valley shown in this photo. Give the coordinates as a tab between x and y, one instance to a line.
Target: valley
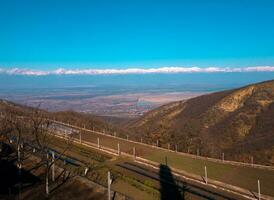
153	160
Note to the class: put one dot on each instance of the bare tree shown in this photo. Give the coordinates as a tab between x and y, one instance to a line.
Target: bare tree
35	129
11	130
42	130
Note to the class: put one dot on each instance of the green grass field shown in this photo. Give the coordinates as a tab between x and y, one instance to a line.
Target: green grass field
245	177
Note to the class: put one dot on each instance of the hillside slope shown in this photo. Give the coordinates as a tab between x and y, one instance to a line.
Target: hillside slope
79	119
238	122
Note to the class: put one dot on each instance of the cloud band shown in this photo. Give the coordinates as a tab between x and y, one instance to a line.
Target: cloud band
161	70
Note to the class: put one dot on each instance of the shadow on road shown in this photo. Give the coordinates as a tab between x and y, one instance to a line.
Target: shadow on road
169	188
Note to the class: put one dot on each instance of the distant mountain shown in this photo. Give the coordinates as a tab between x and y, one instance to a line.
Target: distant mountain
238	122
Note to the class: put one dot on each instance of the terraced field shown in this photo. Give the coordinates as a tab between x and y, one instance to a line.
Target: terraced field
241	176
137	180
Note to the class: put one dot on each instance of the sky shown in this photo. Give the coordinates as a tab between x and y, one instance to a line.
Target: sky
120	34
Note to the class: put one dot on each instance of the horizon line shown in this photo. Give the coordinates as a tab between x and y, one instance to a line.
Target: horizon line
134	70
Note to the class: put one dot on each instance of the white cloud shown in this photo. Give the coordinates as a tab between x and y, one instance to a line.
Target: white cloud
162	70
260	69
17	71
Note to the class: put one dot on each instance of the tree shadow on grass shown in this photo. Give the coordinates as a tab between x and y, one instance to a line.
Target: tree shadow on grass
11	182
169	188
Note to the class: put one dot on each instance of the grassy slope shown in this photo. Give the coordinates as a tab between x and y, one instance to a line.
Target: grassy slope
245	177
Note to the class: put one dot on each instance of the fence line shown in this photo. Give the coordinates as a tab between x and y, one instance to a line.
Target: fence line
237	163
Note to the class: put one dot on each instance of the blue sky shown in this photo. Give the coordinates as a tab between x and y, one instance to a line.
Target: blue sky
48	34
